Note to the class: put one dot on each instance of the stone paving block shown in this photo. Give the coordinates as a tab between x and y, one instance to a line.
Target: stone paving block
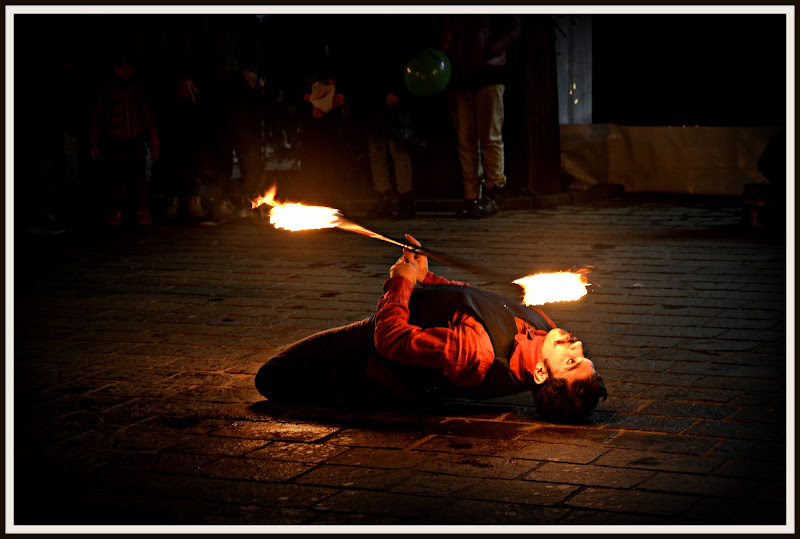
688	394
374	438
253	516
582	517
480	429
734	429
558	452
508	491
263	494
564	434
476	466
576	474
213	445
688	409
132	438
654	460
747	384
662	379
425	484
252	469
297	452
155	462
750	449
746	371
708	487
742	513
378	458
621	405
276	431
651	423
645	441
636	365
354	477
469	445
623	389
632	501
382	503
332	518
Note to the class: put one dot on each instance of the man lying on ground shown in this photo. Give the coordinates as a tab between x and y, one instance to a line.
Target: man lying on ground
443	338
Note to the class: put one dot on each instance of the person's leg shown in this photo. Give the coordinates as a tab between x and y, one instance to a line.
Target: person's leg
114	166
402	165
461	110
378	163
137	167
489	116
246	135
402	173
326	367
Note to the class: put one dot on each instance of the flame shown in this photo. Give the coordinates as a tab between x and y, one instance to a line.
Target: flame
552	287
295	216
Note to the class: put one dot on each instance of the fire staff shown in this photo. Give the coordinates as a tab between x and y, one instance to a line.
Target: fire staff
432	337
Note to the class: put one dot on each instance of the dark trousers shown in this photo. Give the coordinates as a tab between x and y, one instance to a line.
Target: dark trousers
330	367
125	169
205	135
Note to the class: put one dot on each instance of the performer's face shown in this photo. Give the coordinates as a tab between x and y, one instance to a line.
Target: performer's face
563	355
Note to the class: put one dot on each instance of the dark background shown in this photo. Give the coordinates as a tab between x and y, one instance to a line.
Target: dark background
689	69
711	70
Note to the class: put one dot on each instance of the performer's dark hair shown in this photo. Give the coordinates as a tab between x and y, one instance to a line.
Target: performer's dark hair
556	400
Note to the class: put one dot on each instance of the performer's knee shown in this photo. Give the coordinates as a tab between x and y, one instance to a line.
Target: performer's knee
271	381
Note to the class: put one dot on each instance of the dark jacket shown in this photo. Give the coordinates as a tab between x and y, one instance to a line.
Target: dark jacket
212	48
122	113
477	46
435	305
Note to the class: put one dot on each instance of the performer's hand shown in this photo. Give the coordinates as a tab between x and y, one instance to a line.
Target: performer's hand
403	268
420	261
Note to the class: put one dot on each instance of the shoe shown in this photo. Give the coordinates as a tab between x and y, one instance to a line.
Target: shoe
478	209
383	204
219	213
170	211
48	224
405	206
193	207
143	218
116	218
497	195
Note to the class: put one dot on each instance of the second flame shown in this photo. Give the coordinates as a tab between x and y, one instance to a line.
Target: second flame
552	287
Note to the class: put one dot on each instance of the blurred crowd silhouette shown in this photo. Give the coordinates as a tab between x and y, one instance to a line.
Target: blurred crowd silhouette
129	120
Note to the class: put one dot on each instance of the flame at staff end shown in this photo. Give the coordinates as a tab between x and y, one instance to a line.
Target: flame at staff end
552	287
295	216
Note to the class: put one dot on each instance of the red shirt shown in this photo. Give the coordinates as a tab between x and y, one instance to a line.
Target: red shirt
462	352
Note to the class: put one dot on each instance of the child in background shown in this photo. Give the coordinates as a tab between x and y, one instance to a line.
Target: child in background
121	127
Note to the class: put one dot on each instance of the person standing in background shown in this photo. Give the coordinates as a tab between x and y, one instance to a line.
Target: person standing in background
477	46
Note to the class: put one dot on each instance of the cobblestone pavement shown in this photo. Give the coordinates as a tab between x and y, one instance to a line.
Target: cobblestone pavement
135	354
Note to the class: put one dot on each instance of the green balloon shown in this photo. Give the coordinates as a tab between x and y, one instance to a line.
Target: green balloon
428	73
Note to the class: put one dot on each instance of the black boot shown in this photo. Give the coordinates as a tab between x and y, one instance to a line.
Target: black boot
383	204
478	209
405	206
497	195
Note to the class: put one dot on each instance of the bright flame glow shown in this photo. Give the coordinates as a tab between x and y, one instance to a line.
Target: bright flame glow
552	287
295	216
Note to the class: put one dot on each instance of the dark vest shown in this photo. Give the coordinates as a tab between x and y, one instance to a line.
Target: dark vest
435	305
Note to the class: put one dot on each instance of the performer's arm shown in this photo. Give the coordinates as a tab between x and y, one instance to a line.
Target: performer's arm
462	352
